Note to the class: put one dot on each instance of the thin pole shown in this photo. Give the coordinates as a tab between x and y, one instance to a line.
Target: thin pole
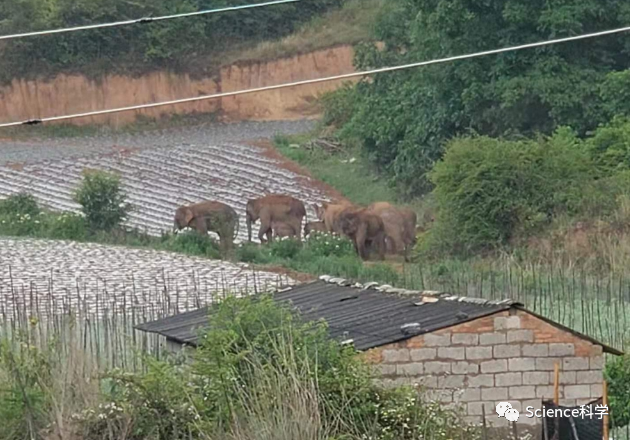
556	383
605	403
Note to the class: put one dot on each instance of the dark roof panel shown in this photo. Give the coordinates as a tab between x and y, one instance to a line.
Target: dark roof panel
369	315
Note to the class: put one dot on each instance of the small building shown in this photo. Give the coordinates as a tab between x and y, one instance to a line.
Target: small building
467	351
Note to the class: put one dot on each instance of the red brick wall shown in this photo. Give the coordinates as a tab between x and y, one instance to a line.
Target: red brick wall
502	357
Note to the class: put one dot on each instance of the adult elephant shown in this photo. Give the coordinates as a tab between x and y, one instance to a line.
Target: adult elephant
274	208
329	212
365	229
209	216
400	227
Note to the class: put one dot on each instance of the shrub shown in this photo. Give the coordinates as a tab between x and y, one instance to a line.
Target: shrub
66	226
102	200
491	191
285	247
339	105
191	243
253	253
610	145
21	203
617	374
323	245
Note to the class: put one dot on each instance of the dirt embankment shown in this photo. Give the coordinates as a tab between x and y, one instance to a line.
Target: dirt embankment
70	94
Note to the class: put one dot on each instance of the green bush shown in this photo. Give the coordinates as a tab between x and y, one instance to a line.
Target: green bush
285	247
253	253
617	374
24	403
174	44
66	226
491	191
191	243
610	145
339	105
320	244
403	119
21	203
102	201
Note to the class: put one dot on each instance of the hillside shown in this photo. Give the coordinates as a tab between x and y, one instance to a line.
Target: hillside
198	46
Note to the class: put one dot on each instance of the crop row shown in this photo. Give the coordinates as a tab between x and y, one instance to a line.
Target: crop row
159	180
46	277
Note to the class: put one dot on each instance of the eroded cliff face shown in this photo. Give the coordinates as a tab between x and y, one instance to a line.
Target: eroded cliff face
70	94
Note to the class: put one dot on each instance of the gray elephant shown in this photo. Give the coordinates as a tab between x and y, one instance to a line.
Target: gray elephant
274	208
209	216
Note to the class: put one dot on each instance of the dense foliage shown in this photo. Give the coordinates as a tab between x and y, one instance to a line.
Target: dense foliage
170	43
617	373
102	200
259	373
495	191
403	119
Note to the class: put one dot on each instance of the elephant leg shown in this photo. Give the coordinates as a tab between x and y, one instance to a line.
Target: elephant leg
380	246
200	226
265	227
296	227
360	238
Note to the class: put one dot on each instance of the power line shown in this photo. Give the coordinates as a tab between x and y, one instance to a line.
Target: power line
318	80
146	19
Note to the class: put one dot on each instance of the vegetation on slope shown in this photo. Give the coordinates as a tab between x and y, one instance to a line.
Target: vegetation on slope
197	45
516	151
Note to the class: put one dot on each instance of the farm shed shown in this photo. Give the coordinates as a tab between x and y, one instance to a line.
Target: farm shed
466	351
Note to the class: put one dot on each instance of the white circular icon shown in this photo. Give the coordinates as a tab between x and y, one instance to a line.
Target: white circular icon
511	415
502	407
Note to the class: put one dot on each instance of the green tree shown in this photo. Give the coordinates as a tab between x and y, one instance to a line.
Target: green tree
173	43
617	373
491	191
102	201
403	119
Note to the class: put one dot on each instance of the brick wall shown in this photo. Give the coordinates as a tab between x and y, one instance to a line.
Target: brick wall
508	356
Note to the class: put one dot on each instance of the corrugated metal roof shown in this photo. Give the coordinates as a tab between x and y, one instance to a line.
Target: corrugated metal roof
368	316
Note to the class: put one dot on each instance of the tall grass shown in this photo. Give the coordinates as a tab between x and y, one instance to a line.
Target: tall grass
595	304
103	326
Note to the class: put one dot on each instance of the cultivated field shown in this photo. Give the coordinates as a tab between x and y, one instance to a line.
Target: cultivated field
45	277
160	176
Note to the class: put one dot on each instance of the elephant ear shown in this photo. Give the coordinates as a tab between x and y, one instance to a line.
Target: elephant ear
188	215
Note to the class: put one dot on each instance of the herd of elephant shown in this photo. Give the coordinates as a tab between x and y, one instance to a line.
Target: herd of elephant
380	227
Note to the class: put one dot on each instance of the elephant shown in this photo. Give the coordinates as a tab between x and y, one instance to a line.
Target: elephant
314	227
364	228
400	227
274	208
329	212
281	229
209	216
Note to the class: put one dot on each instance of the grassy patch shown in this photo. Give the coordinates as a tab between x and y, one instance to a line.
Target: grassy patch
350	24
348	172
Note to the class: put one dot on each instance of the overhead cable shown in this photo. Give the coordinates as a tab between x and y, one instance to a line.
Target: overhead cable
317	80
146	19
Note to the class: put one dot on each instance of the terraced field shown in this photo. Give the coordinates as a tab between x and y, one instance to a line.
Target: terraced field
46	278
159	179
